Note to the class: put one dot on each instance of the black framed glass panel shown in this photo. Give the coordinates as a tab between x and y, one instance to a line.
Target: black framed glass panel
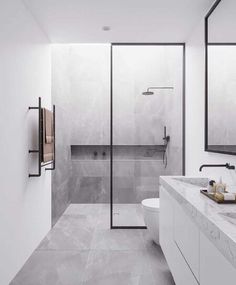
147	125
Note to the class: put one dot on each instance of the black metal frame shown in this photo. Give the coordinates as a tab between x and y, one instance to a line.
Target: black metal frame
111	120
207	43
226	165
39	151
39	108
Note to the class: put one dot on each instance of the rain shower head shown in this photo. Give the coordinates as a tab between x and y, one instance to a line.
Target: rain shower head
148	92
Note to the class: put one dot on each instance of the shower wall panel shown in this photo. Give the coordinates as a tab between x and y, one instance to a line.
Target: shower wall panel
81	93
89	93
139	119
60	97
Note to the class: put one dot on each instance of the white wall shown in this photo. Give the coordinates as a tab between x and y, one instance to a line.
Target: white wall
195	155
25	203
222	21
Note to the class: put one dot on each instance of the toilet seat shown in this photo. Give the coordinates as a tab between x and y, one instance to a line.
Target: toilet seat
152	204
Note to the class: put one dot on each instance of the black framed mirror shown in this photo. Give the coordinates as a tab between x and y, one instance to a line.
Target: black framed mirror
220	78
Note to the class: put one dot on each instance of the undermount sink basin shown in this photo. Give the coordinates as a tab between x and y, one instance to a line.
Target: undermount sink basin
202	182
230	217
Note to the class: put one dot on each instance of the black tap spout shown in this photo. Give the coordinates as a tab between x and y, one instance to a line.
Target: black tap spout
227	165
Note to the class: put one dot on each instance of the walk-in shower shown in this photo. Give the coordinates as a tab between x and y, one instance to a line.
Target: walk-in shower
113	143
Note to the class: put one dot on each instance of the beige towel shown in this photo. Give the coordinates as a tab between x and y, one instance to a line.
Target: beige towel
48	126
48	136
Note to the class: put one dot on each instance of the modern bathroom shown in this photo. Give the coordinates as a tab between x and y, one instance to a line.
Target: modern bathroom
118	143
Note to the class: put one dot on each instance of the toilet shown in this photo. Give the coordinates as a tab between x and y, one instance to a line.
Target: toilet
151	217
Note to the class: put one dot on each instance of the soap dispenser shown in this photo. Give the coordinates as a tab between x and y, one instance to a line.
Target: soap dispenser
220	187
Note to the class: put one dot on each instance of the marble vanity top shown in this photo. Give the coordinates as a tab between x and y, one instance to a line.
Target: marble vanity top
217	221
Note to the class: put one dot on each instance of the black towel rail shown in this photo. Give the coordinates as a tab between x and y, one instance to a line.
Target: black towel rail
40	142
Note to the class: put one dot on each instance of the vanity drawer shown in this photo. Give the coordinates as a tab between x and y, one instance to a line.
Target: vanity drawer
177	263
186	237
214	267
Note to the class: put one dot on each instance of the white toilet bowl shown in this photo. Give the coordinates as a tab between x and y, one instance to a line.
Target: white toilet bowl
151	217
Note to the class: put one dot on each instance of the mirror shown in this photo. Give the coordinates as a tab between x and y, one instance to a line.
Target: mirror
220	76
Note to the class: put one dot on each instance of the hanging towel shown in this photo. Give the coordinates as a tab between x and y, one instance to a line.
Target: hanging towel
49	126
48	136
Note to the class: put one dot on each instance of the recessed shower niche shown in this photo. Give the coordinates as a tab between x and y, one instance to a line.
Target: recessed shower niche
113	132
91	170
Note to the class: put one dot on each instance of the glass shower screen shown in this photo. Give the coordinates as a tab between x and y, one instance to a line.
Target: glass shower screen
140	153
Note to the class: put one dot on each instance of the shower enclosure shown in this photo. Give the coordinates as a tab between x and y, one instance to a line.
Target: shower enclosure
146	125
119	126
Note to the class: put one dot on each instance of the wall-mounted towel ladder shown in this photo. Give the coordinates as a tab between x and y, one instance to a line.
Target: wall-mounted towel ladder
40	141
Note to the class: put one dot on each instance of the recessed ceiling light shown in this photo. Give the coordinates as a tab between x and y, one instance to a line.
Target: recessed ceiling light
106	28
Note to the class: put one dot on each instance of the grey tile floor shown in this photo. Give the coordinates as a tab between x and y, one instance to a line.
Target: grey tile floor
128	214
81	249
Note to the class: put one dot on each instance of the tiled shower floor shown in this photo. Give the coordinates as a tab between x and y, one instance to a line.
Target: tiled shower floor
81	249
128	215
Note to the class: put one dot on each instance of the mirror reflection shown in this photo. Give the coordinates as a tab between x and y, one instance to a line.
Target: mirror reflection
221	78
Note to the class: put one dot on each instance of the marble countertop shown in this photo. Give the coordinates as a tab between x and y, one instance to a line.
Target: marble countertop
217	221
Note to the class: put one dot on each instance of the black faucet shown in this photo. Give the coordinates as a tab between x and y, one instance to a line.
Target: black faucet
166	138
227	165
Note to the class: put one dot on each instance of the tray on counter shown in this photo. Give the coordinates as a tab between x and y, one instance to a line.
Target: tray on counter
212	197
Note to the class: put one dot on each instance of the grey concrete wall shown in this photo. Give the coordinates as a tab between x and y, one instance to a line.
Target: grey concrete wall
81	90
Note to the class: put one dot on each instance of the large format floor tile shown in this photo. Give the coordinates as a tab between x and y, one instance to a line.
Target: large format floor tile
85	209
128	215
104	263
82	250
52	268
71	232
118	239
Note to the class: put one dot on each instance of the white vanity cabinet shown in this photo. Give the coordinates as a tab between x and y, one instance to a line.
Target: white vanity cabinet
186	236
193	259
214	267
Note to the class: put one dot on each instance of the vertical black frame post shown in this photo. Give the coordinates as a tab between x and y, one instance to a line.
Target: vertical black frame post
111	120
183	110
39	108
206	82
217	2
111	138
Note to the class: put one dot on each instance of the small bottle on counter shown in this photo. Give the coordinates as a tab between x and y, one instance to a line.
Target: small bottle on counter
211	187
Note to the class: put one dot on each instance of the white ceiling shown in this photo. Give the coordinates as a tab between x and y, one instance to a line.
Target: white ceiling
70	21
